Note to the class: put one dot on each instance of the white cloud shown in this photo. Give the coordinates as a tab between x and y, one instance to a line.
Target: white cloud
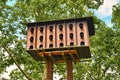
105	10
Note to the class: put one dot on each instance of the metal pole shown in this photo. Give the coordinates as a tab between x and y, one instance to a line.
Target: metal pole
69	70
49	70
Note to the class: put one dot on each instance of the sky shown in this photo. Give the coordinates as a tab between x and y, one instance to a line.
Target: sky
104	13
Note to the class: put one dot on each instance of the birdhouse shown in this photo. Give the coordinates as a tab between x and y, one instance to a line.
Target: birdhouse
60	40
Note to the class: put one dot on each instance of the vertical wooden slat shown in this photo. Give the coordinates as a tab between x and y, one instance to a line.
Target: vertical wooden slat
58	32
68	32
69	70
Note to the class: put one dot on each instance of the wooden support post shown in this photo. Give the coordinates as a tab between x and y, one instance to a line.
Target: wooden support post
49	70
63	55
69	70
72	57
52	58
43	57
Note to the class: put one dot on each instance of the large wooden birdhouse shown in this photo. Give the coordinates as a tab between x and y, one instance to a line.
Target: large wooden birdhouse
60	40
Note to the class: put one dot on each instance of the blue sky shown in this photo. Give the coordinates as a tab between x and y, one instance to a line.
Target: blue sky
104	12
11	2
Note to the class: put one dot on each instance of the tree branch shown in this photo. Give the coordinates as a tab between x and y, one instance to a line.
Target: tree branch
10	54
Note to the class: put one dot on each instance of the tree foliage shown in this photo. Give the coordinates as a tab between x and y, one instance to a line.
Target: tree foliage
105	46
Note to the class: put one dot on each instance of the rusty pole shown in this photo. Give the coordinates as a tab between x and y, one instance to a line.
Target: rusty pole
69	70
49	70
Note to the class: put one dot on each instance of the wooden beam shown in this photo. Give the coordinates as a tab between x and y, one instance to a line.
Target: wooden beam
43	57
43	50
49	66
58	52
52	58
63	55
72	57
69	70
69	50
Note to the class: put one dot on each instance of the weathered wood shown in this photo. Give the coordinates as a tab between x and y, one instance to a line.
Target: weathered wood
49	70
63	55
43	57
52	58
58	52
72	57
78	52
69	70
